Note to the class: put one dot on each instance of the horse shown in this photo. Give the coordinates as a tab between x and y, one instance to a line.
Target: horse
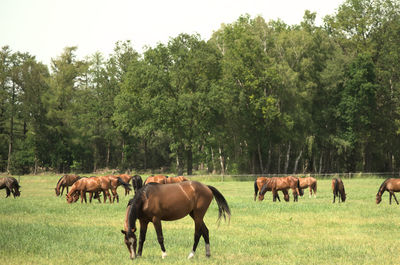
161	179
175	179
259	183
137	182
311	183
283	184
126	178
338	189
92	184
116	181
11	185
64	182
155	203
391	185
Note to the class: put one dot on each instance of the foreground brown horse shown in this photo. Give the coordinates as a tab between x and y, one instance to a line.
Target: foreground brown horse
64	182
155	203
338	189
391	185
11	185
92	184
161	179
283	184
260	182
311	183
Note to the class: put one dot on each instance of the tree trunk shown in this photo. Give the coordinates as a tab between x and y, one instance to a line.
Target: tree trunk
297	161
287	159
269	159
189	154
279	159
108	154
213	161
222	162
11	136
320	164
260	159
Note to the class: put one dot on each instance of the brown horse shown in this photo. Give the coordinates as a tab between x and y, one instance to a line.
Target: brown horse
11	185
283	183
338	189
311	183
92	184
391	185
115	182
175	179
126	178
161	179
155	203
64	182
260	182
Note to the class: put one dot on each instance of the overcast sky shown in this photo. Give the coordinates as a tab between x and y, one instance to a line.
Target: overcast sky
45	27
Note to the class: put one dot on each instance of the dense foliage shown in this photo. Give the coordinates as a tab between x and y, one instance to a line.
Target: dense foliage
257	97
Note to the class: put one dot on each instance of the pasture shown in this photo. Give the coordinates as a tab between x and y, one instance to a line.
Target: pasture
40	228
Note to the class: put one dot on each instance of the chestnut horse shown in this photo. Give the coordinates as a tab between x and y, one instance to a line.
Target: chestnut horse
126	178
283	184
260	182
338	189
391	185
161	179
116	181
92	184
64	182
137	182
311	183
175	179
11	185
155	203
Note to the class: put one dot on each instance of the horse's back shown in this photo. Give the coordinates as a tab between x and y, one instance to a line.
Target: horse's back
393	184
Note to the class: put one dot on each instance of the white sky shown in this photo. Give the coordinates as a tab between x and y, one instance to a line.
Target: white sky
45	27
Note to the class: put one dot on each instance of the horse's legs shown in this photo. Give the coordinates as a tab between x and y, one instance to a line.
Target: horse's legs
200	230
90	196
62	190
160	237
394	196
82	194
142	238
334	197
310	192
106	194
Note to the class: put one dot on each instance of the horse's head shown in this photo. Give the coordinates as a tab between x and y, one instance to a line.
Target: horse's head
57	192
130	241
378	198
72	197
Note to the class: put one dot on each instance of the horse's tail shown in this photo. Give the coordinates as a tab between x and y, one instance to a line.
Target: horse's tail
223	207
255	189
301	192
121	182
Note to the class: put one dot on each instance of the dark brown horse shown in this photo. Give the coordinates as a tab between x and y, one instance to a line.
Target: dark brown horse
161	179
11	185
391	185
311	183
64	182
91	185
155	203
260	182
338	189
283	184
137	182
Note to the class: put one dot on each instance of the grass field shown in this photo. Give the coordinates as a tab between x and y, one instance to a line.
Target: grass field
40	228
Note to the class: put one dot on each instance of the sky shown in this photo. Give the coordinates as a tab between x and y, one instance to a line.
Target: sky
45	27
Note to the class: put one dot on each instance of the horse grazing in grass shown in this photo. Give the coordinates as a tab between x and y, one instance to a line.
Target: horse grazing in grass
175	179
258	185
92	184
283	184
391	185
311	183
116	181
64	182
126	178
137	182
338	189
160	179
11	185
155	203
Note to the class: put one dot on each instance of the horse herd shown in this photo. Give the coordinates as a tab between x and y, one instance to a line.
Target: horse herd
162	198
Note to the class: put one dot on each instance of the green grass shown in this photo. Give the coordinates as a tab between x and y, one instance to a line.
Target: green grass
40	228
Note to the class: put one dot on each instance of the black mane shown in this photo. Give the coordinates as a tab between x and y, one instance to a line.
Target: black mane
383	186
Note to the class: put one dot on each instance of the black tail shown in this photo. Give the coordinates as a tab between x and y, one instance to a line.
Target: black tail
255	189
223	207
301	192
126	185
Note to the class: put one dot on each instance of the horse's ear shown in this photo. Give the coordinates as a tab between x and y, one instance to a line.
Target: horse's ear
133	230
123	232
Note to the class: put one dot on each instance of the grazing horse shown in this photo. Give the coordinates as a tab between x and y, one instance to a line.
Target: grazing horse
175	179
284	183
338	189
311	183
126	178
161	179
116	181
64	182
260	182
11	185
155	203
391	185
92	184
137	182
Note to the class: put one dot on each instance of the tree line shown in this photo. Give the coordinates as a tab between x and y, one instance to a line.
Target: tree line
257	97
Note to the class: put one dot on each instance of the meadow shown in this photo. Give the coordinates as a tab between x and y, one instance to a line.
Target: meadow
40	228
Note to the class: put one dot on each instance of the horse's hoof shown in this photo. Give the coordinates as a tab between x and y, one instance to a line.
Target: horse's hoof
163	255
191	255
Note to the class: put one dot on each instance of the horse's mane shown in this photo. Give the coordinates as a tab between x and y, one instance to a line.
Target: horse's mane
60	180
383	185
136	204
